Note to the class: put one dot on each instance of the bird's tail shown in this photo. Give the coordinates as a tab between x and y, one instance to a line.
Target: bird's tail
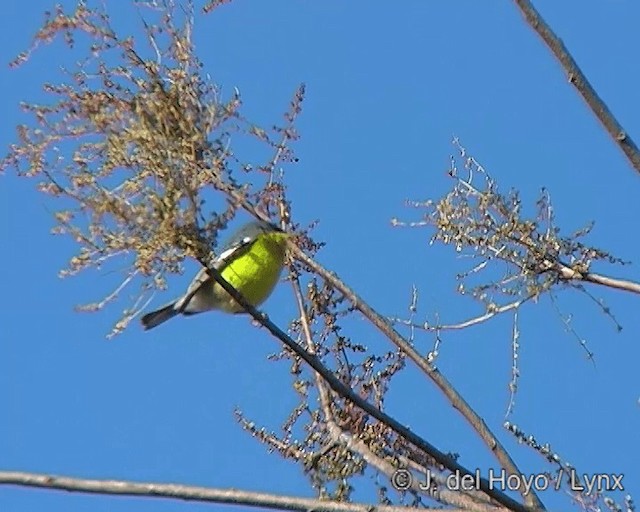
155	318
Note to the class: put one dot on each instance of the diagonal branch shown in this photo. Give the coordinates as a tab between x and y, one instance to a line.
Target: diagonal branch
579	81
431	371
467	500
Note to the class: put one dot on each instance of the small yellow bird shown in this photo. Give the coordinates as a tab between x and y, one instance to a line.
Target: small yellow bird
251	261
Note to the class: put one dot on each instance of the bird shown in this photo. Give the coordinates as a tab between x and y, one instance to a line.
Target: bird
251	261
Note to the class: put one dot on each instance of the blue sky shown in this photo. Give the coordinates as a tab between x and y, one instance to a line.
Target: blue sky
387	89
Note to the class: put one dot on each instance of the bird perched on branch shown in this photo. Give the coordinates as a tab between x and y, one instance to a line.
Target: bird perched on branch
251	261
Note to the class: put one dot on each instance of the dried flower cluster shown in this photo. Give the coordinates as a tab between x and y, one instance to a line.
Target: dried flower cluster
525	257
139	150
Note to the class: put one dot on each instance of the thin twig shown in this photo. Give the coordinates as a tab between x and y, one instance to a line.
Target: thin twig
515	368
467	323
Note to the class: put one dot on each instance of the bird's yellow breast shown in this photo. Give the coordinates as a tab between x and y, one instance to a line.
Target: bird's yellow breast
255	273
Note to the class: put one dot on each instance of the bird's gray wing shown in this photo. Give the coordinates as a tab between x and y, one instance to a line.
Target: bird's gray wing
231	253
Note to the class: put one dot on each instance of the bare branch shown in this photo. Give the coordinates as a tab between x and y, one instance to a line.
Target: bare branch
466	323
579	81
191	493
620	284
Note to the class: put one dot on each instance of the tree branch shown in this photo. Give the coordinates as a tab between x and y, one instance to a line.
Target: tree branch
467	500
191	493
579	81
620	284
457	401
465	324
